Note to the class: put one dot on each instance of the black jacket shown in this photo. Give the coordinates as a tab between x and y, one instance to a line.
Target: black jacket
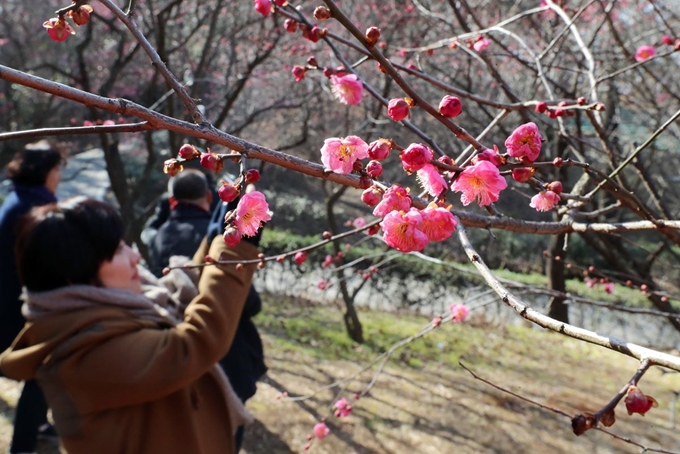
181	234
244	363
17	203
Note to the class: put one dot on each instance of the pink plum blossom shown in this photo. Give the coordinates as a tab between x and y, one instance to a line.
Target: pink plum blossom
481	182
322	284
493	156
482	44
328	261
321	430
438	222
359	223
348	89
609	287
395	198
415	157
430	180
544	201
525	142
459	312
644	52
339	155
342	408
590	282
251	211
401	231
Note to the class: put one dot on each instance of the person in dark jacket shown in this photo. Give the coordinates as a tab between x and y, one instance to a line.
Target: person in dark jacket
35	173
187	223
244	362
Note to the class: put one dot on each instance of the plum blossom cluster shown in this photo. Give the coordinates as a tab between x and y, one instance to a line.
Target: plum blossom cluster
592	282
252	210
58	29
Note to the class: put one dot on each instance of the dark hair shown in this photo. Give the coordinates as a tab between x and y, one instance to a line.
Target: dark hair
188	185
64	244
31	165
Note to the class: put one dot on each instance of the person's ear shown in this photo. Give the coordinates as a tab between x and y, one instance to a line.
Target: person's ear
208	197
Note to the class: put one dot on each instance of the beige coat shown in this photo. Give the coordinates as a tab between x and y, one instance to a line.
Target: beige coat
118	383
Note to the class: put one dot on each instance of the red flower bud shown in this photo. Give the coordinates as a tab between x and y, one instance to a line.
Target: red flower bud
328	72
290	25
188	152
371	196
398	109
300	257
446	160
372	230
232	237
228	192
58	29
365	182
298	73
372	35
523	174
209	161
450	106
558	162
252	176
638	402
581	101
541	107
555	187
374	169
379	149
667	40
311	61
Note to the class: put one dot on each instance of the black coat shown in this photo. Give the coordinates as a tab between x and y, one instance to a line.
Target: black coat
180	234
17	203
244	363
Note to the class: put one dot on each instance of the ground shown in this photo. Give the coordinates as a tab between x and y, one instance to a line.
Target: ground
424	401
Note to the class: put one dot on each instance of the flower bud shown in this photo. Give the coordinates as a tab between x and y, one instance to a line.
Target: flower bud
541	107
228	192
328	72
398	109
326	235
252	176
667	40
379	149
555	187
558	162
298	73
232	237
290	25
300	257
371	196
372	35
581	101
372	230
188	152
322	13
638	402
311	61
81	15
374	169
446	160
523	174
172	167
450	106
365	182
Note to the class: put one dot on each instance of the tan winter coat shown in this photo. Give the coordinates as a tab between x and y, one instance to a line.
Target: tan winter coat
118	383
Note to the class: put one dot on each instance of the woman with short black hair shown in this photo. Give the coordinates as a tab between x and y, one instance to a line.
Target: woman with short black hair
121	374
35	173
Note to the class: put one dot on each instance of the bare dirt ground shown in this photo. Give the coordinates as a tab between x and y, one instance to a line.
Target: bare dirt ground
432	405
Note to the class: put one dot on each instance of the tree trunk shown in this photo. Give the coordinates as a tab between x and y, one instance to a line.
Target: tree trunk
557	309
